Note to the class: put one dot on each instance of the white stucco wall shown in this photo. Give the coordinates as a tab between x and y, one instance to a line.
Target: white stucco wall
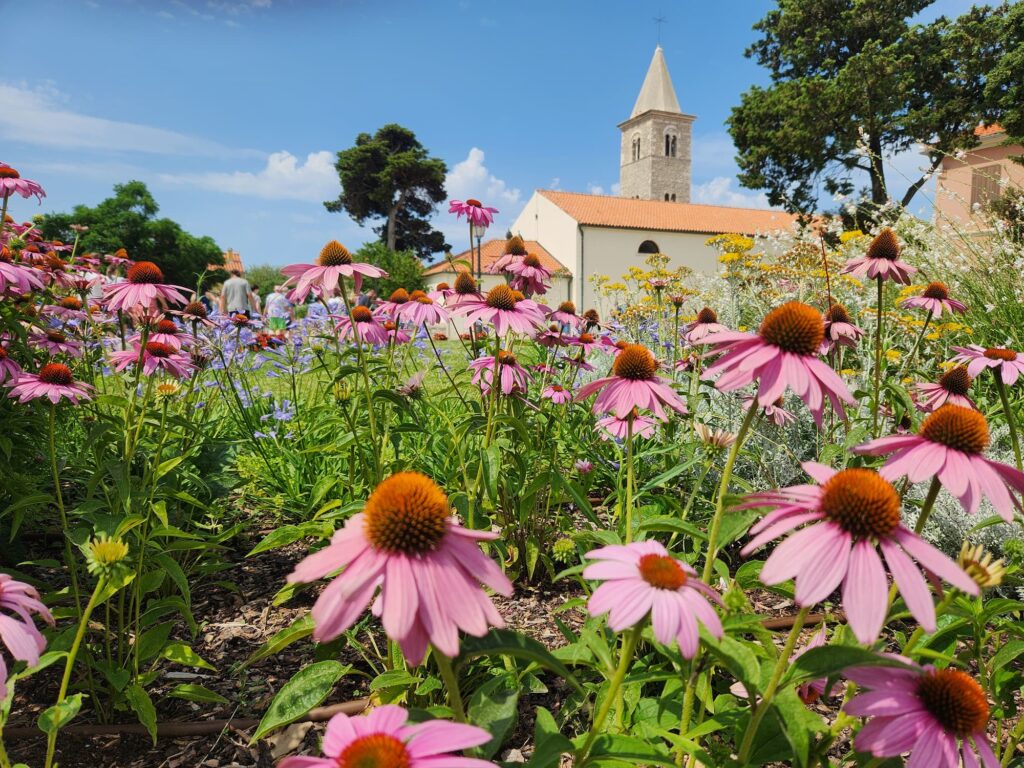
611	252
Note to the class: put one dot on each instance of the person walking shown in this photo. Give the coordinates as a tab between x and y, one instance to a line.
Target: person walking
236	296
280	311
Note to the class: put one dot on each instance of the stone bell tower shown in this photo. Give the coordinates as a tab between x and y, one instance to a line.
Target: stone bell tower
655	159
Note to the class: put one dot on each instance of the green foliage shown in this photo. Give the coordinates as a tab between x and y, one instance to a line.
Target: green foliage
391	176
403	268
852	82
128	220
1005	86
265	276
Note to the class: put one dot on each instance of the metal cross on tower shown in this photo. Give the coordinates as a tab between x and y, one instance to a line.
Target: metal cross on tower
659	20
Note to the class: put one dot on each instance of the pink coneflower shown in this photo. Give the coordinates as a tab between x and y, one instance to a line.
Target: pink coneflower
565	314
512	377
422	309
643	578
18	632
413	386
385	739
952	387
1006	363
706	323
585	342
939	716
364	325
612	426
195	312
155	356
515	248
144	288
782	354
503	309
839	329
396	334
16	279
474	210
54	382
852	513
950	447
634	383
11	183
395	303
935	299
118	258
557	394
333	263
583	466
550	336
774	412
67	308
55	342
881	261
428	568
170	333
9	369
528	274
465	289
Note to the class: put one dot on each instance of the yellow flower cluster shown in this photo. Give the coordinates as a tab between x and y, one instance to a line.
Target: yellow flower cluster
851	234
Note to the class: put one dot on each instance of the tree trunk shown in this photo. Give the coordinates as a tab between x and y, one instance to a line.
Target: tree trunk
879	194
916	186
393	216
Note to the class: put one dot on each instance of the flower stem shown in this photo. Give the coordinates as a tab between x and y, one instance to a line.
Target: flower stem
628	647
451	683
917	341
687	713
929	503
878	360
1011	422
773	685
69	557
629	480
723	488
83	623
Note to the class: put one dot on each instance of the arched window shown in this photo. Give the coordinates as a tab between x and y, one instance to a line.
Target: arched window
673	147
673	197
668	144
666	197
648	246
636	147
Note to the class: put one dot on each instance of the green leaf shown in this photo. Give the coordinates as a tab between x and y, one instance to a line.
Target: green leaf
735	656
300	628
59	715
289	534
502	641
830	660
193	692
549	743
143	706
797	722
615	748
307	689
396	678
664	477
670	524
494	706
179	653
167	466
1007	653
153	641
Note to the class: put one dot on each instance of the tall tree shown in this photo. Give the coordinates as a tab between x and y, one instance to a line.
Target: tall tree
854	82
390	175
128	220
1005	86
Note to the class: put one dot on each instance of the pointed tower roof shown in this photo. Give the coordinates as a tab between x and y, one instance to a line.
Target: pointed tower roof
657	91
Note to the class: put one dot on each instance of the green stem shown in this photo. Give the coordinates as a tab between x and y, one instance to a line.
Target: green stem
773	685
687	714
69	557
451	683
878	360
917	341
1011	422
929	503
723	488
378	449
629	480
83	623
918	633
1011	746
628	647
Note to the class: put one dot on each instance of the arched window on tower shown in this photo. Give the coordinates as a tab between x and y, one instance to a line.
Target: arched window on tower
673	152
668	144
648	246
673	197
636	148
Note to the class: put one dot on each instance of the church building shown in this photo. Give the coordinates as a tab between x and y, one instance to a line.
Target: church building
606	235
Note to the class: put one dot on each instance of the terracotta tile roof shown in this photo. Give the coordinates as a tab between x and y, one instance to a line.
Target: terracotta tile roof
492	250
232	260
988	130
607	211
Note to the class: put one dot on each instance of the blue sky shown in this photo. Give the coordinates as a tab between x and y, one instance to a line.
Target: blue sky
231	110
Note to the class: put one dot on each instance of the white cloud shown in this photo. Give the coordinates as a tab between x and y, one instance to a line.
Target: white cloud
719	191
39	117
713	155
471	178
282	178
595	189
